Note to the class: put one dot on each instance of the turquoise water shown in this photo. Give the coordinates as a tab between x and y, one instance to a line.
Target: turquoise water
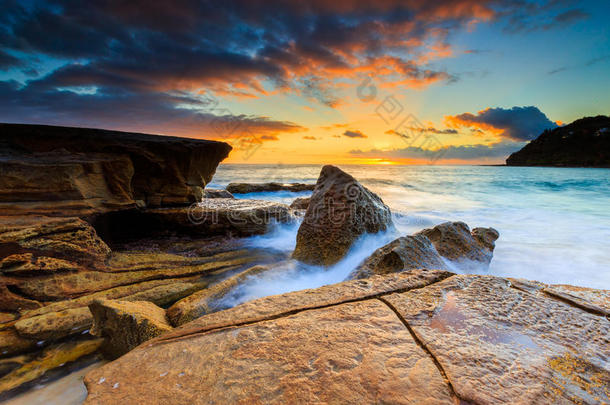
554	223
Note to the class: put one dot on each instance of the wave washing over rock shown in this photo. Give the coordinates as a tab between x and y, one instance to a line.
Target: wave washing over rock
351	296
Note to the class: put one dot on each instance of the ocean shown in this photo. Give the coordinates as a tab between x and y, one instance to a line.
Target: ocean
554	223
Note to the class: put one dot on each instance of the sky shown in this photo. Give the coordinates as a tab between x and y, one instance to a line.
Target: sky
343	81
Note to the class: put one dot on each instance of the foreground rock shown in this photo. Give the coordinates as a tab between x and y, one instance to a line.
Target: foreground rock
125	325
455	241
340	211
206	301
64	171
213	193
414	337
245	188
583	143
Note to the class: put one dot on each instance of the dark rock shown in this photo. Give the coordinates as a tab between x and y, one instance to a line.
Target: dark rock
213	193
583	143
218	216
300	203
244	188
340	210
62	171
125	325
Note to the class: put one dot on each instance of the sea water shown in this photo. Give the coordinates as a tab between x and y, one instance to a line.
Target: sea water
554	223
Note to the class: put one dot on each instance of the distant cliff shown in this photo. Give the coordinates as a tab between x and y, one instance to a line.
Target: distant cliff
583	143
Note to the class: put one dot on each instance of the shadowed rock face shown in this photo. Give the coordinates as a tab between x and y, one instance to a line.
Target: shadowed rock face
245	188
340	210
63	171
583	143
415	337
300	203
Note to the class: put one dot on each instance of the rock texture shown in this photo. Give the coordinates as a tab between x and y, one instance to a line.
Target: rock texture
245	188
213	193
402	254
300	203
499	344
346	354
583	143
455	241
340	210
218	216
125	325
35	243
206	301
414	337
62	171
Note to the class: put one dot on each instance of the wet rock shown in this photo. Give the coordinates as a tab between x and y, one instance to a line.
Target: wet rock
71	239
214	193
245	188
54	325
402	254
300	203
11	343
499	344
340	210
220	216
80	172
454	241
346	354
51	358
203	302
126	324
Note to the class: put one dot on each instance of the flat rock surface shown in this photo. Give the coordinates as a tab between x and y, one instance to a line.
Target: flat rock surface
499	344
245	188
345	354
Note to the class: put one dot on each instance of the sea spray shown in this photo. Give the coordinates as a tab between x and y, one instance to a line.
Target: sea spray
292	275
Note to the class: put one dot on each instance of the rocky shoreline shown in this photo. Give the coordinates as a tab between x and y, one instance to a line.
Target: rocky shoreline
96	260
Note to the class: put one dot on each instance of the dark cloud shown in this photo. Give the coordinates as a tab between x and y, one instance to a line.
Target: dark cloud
528	16
310	138
354	134
8	61
588	63
517	123
465	152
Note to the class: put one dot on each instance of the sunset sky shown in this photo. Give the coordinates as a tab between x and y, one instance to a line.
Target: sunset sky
340	81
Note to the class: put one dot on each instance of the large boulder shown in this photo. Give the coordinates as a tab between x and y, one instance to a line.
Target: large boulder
63	171
245	188
125	325
340	211
429	249
417	337
402	254
455	241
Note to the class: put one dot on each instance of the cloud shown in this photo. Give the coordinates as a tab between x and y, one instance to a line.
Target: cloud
176	114
588	63
354	134
310	138
464	152
517	123
269	137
